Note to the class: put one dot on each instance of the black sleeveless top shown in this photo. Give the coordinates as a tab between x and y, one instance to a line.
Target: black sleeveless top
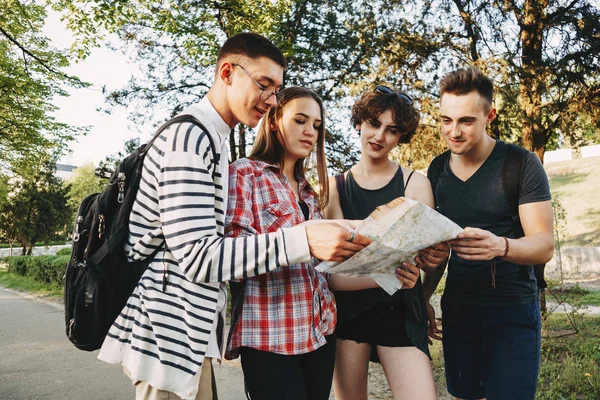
357	203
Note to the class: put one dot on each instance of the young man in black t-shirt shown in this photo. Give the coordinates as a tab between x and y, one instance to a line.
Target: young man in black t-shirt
490	310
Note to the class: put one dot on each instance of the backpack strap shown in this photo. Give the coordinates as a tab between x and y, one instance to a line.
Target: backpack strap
512	174
340	184
434	171
194	121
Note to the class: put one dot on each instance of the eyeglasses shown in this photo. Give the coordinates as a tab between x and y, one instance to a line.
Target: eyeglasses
387	90
266	91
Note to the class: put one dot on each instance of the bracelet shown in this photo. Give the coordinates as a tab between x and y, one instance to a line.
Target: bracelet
507	247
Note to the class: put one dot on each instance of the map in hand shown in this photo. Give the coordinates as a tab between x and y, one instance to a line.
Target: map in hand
398	230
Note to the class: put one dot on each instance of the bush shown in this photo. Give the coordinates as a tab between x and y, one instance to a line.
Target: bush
37	268
59	267
64	252
17	264
47	269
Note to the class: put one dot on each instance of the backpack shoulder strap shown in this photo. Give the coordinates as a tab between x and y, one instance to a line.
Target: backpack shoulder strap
194	121
512	174
435	169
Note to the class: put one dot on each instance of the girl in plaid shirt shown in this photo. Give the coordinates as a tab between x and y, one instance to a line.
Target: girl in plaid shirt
283	322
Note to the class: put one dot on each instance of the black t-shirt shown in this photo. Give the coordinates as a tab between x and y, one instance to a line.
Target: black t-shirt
480	202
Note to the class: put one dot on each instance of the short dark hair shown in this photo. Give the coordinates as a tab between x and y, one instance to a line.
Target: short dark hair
374	103
251	45
465	80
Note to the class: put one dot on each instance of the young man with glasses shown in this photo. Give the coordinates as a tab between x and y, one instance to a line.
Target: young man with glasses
490	310
173	322
371	324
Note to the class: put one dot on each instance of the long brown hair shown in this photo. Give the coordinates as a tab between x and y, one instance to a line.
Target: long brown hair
268	148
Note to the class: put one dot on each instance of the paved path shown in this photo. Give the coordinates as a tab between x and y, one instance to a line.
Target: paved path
37	362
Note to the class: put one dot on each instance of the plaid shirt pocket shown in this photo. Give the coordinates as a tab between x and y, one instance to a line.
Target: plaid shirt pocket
279	215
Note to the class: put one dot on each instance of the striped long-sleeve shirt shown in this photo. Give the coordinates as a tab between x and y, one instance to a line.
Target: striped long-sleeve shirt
161	336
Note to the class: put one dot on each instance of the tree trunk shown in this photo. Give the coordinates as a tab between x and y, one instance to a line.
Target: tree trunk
472	31
533	135
242	141
232	150
543	307
532	87
495	129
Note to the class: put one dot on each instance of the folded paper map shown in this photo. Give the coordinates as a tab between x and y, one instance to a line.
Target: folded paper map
398	230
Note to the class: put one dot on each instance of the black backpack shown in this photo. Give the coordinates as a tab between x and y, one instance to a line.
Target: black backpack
512	174
99	279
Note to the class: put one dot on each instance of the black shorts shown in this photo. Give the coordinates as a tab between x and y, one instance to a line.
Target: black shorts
382	325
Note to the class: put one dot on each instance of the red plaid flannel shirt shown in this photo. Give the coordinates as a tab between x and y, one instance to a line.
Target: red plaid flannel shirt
289	310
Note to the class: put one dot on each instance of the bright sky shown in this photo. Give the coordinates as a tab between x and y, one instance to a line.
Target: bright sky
102	68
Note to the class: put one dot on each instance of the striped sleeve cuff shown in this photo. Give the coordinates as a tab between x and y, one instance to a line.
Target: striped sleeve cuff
296	245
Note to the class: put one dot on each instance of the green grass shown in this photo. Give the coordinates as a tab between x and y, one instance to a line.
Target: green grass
585	297
575	295
591	298
576	185
570	367
30	285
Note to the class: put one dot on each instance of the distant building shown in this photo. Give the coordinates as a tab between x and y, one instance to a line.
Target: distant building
558	155
65	167
64	171
590	151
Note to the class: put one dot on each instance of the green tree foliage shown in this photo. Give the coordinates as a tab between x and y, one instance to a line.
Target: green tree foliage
36	209
84	181
4	190
81	184
30	78
111	162
327	44
7	227
542	54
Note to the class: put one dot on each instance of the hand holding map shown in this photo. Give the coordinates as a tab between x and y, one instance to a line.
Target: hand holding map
398	230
